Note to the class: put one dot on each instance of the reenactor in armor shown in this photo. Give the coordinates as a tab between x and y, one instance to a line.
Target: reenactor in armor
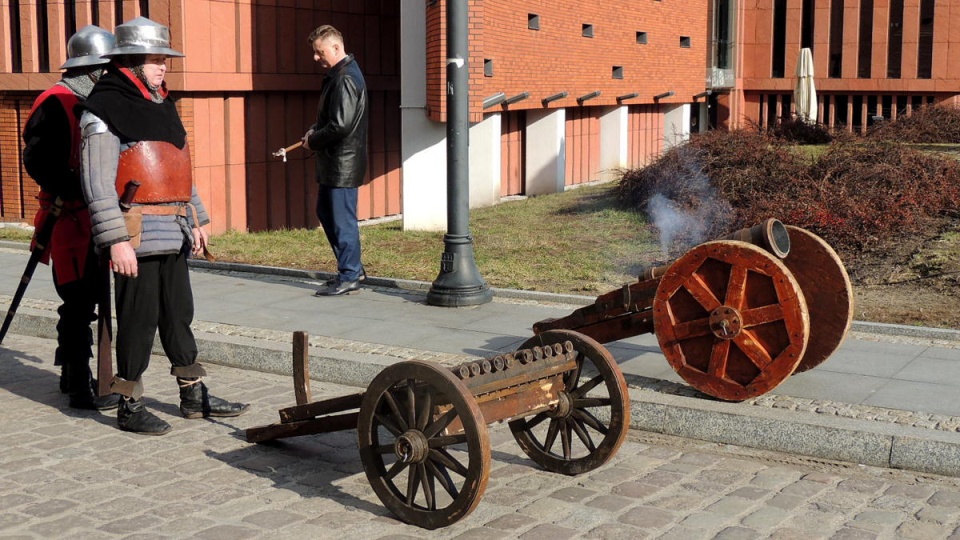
51	156
133	136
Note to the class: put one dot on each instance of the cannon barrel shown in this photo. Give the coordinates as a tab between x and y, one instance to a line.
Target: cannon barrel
770	235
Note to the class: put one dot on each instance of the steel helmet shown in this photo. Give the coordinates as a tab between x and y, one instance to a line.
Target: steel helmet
87	46
142	36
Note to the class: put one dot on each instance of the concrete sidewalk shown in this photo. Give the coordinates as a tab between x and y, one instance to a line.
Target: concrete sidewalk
887	398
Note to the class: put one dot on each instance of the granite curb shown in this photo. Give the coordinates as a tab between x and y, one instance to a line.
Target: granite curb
907	440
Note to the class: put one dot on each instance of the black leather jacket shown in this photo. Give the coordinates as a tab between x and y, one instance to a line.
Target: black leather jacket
340	134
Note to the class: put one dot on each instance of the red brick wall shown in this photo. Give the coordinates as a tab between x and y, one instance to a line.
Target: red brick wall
557	58
18	192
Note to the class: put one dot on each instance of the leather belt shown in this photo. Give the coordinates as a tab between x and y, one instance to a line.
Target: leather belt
162	210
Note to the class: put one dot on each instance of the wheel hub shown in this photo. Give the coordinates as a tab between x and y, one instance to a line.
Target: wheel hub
563	407
726	322
412	447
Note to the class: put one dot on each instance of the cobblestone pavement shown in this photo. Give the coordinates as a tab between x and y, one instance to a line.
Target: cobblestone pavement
72	474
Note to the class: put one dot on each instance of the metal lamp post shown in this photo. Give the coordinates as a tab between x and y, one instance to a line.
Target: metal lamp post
459	282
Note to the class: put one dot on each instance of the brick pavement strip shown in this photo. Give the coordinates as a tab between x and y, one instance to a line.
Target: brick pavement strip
66	473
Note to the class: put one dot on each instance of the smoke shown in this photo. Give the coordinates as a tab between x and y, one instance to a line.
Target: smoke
686	208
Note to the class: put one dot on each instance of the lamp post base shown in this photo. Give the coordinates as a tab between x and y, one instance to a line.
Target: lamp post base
459	283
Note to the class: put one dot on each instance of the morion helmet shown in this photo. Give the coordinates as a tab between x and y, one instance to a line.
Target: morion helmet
87	47
142	36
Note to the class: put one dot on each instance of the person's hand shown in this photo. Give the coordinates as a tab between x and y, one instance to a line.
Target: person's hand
306	139
200	241
123	259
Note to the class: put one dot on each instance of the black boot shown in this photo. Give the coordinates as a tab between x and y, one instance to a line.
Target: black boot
196	401
81	387
133	416
65	379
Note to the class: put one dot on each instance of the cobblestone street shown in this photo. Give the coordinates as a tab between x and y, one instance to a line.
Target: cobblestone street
72	474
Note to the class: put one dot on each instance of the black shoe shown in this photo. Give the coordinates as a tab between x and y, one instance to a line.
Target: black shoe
65	378
336	279
82	390
341	287
134	417
196	402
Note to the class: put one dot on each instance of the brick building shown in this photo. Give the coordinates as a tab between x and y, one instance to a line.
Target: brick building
560	93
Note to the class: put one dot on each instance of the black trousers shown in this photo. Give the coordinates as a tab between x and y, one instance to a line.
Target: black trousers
78	310
160	297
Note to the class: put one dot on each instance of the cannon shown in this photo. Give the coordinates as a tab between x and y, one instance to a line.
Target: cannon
422	427
734	317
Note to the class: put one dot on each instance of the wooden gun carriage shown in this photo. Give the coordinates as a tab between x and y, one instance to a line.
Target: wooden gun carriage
734	317
422	427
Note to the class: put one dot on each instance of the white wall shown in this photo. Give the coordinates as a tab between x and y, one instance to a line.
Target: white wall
676	124
546	151
613	142
485	161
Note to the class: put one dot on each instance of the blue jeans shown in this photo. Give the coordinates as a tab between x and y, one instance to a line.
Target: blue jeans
337	211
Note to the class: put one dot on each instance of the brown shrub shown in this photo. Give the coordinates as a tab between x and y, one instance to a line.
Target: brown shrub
930	124
858	194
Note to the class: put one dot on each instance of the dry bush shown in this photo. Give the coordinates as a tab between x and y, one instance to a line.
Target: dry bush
858	194
795	130
930	124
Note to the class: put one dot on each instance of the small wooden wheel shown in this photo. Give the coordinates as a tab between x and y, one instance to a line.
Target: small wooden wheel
827	290
731	320
593	415
425	474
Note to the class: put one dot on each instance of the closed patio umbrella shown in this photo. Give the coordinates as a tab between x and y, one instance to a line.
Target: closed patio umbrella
805	94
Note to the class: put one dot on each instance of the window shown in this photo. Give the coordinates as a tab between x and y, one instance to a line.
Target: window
617	72
895	39
723	33
533	21
925	51
685	42
641	38
865	47
835	66
488	67
779	38
806	24
588	30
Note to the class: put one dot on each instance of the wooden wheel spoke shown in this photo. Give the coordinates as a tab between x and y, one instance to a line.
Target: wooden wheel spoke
442	456
565	436
411	406
395	411
447	440
385	422
736	286
552	432
396	469
582	433
587	387
440	423
700	292
757	354
535	421
423	412
413	485
440	473
582	403
590	420
691	329
572	379
426	483
718	358
384	449
762	315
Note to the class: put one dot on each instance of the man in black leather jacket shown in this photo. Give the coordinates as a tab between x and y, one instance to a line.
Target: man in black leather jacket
339	139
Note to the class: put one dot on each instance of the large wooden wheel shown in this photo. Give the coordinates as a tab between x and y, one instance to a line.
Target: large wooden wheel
731	320
590	422
827	291
423	472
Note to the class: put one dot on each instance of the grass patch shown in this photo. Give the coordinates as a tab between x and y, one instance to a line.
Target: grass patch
578	242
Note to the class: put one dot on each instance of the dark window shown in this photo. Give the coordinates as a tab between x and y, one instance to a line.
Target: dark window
835	66
487	67
857	113
779	38
70	18
145	8
641	38
895	39
95	12
685	42
840	111
872	114
16	53
588	30
865	47
901	105
533	21
617	72
925	52
807	24
43	49
724	40
886	104
117	13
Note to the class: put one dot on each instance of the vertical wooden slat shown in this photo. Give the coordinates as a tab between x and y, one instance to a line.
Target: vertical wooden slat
301	368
